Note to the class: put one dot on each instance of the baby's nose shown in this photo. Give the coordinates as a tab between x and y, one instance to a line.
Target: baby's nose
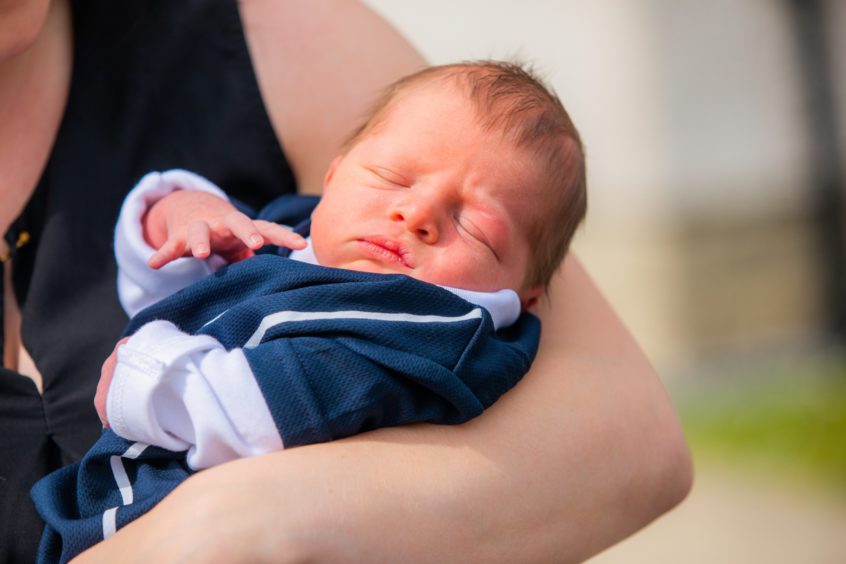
420	219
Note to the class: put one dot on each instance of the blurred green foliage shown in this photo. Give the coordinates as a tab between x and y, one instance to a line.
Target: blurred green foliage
788	420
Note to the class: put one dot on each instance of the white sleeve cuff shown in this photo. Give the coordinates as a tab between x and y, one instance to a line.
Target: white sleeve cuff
503	305
138	284
186	392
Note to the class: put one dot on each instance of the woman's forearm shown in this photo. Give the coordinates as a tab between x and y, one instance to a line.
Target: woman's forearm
584	451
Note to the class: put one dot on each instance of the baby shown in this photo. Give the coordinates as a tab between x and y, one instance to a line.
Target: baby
467	179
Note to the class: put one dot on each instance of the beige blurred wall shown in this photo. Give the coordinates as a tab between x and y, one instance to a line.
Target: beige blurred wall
692	114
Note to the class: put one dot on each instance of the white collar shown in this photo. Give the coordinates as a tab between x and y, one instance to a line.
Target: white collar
502	305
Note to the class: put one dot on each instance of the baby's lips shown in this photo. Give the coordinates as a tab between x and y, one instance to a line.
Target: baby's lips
402	253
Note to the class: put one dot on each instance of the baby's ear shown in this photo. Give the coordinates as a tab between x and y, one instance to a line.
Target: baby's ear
530	296
331	171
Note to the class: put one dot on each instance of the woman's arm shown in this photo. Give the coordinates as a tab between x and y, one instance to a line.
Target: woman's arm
320	65
583	452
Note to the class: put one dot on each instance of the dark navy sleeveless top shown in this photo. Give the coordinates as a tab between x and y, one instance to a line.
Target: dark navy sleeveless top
156	84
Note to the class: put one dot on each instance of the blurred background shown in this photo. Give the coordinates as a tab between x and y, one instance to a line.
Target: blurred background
716	135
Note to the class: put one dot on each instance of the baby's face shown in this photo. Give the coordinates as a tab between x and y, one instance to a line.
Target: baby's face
431	195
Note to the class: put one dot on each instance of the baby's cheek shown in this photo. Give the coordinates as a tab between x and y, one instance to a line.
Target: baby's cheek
469	275
322	252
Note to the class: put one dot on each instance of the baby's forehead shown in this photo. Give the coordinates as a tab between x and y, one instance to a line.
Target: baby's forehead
433	93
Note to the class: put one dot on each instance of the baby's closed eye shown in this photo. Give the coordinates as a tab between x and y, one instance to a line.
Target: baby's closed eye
467	226
390	177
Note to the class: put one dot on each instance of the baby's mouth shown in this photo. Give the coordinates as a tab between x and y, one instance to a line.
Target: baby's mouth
389	250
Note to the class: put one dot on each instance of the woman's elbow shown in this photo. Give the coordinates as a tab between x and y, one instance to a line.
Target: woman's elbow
671	466
677	471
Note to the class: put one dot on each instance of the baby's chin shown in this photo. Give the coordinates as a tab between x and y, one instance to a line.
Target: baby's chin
379	267
371	266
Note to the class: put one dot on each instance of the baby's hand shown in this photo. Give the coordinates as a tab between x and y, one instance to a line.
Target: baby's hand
106	374
189	223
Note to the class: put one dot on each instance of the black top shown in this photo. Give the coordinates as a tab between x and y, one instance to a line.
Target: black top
156	85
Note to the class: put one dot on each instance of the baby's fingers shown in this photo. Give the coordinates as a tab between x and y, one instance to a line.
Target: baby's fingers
172	249
244	229
279	235
198	235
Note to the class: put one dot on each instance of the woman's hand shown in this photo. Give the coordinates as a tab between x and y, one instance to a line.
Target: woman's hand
191	223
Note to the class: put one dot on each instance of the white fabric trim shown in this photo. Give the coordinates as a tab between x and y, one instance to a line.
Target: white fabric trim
139	285
306	254
109	522
186	392
503	305
282	317
135	451
121	479
124	486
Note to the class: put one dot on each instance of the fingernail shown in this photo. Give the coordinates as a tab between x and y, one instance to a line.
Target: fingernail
255	240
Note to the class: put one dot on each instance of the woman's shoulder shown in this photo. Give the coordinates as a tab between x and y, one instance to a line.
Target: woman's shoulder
319	66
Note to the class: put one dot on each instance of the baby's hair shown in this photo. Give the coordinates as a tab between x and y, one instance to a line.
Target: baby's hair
509	98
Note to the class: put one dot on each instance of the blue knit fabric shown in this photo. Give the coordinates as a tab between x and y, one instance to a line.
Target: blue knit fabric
322	379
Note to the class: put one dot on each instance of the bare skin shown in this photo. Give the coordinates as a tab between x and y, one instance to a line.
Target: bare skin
583	452
338	54
195	224
34	82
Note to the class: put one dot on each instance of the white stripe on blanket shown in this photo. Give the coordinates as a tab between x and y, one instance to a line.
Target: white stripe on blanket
122	480
281	317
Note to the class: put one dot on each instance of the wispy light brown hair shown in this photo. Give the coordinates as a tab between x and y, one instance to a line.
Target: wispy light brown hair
510	98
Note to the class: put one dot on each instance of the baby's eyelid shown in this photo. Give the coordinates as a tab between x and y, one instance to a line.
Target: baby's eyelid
477	234
390	176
